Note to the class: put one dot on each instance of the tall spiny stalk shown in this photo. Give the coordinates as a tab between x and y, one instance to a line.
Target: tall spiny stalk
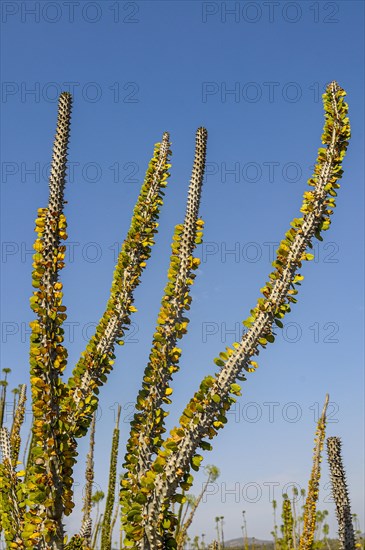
148	424
18	420
206	411
106	533
49	479
294	535
96	361
86	526
340	494
275	531
288	523
309	519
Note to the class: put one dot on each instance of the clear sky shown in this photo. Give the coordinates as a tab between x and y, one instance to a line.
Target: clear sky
252	73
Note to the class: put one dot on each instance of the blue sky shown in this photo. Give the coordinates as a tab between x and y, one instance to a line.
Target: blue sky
254	78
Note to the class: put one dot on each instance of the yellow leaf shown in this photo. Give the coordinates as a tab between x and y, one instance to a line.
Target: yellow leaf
38	245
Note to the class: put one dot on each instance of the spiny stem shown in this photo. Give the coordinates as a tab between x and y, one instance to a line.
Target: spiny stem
86	525
106	534
340	494
309	520
49	474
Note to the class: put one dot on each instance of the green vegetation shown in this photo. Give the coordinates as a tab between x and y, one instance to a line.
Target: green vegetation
38	495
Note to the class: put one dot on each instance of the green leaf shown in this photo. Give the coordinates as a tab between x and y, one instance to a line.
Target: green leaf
205	446
195	462
235	388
